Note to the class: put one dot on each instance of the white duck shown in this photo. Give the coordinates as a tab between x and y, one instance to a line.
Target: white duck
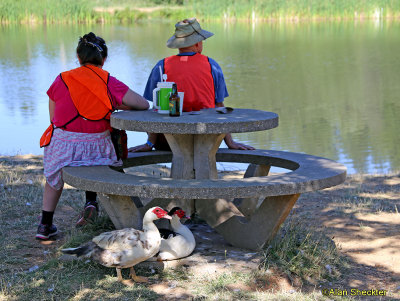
126	247
177	243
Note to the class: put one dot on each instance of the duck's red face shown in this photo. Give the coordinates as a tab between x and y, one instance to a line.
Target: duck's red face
161	213
181	214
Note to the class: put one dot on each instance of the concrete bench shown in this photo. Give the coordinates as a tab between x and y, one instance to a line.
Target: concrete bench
257	204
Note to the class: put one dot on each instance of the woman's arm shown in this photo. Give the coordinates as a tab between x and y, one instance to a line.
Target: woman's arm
52	107
133	101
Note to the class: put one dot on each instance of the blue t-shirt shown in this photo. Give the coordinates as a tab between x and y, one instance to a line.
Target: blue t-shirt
219	82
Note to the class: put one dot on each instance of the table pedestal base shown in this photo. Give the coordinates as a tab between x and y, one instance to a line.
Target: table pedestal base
242	222
217	211
247	206
193	157
255	232
121	210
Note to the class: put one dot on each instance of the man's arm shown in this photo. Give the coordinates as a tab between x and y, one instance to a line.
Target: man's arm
154	77
229	140
220	94
146	147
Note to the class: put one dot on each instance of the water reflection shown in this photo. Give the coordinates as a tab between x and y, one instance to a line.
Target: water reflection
334	85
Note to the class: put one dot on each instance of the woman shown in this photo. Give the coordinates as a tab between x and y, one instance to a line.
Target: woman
80	104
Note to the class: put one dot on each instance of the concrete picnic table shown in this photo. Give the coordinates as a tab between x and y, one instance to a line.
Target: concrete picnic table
194	141
247	212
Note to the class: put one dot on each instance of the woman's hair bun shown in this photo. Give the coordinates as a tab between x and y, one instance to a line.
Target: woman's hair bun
91	49
91	36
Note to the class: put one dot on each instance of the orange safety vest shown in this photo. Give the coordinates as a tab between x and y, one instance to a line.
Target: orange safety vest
192	74
89	92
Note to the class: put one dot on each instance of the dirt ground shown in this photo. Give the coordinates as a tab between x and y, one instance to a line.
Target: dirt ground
363	220
360	216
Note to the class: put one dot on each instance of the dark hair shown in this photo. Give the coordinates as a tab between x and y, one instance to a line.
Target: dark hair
91	49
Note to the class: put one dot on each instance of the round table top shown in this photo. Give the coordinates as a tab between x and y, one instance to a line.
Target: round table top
207	122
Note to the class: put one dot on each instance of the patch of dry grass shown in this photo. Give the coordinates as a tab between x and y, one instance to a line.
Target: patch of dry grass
304	254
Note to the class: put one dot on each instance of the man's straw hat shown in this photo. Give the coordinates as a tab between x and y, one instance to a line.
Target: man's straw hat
187	33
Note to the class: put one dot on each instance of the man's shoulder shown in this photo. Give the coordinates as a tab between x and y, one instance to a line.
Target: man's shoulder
159	63
214	63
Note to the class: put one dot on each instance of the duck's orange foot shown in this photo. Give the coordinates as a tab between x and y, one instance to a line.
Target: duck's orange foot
140	279
135	278
127	282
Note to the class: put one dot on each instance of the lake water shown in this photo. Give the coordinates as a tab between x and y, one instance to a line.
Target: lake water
335	86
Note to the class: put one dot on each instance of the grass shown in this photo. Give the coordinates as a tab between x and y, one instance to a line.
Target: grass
304	254
127	11
72	280
25	11
29	271
294	10
301	255
84	11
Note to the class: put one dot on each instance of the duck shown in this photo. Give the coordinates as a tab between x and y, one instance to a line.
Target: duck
126	247
177	243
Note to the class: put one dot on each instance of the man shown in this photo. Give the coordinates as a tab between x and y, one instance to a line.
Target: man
190	70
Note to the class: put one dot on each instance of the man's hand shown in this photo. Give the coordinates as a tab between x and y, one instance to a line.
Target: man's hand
241	146
232	144
140	148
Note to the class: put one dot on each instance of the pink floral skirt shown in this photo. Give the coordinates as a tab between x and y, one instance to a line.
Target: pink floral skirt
76	149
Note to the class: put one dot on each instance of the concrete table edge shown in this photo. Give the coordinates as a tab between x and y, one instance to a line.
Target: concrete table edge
208	122
313	173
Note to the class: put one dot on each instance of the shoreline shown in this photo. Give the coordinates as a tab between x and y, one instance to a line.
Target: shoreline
287	19
91	11
163	168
